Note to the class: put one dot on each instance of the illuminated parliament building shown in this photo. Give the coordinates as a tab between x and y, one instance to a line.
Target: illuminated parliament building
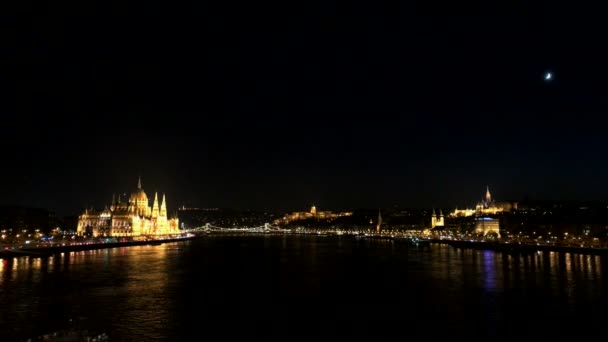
132	217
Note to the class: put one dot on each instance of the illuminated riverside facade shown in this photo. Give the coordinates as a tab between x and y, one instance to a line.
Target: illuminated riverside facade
487	225
313	213
129	218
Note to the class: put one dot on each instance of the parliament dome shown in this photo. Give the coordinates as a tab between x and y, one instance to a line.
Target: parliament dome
139	195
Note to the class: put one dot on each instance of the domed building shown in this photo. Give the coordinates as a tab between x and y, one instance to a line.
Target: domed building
129	218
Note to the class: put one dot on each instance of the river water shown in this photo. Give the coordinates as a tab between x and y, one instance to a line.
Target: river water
303	287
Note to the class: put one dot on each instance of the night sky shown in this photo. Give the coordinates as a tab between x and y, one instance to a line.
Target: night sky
344	104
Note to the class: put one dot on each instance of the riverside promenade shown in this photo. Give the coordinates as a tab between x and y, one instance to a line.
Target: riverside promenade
42	251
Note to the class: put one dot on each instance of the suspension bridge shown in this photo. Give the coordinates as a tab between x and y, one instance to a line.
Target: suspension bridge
265	228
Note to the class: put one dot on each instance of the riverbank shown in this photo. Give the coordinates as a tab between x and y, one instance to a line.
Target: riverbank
499	246
519	247
48	251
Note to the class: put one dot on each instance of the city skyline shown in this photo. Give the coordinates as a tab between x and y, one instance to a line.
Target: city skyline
340	170
344	106
466	205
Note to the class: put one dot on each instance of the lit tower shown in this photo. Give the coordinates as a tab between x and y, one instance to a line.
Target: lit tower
155	206
488	195
162	224
313	210
441	221
379	224
163	207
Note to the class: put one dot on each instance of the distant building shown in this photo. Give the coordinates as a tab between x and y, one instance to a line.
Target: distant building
487	206
462	212
437	220
129	218
313	213
487	225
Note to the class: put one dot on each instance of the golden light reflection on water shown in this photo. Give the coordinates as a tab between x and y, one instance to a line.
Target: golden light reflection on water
135	277
557	271
12	269
134	289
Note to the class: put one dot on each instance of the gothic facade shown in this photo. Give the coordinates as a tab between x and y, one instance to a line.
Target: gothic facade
132	217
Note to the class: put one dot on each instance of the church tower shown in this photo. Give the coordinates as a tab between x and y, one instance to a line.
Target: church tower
437	220
379	225
440	220
488	195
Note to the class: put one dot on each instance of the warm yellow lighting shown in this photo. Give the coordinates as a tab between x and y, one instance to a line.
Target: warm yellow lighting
486	207
313	213
486	225
462	213
130	218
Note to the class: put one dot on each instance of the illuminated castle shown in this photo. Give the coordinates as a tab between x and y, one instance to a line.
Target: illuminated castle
487	206
313	213
132	217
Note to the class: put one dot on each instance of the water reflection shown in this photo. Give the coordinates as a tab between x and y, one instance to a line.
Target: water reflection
489	269
148	292
564	274
37	294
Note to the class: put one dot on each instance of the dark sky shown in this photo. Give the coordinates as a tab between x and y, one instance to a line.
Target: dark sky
338	103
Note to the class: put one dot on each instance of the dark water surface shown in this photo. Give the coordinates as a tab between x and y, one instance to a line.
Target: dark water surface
303	287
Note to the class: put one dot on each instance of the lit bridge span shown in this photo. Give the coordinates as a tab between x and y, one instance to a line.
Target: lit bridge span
266	228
